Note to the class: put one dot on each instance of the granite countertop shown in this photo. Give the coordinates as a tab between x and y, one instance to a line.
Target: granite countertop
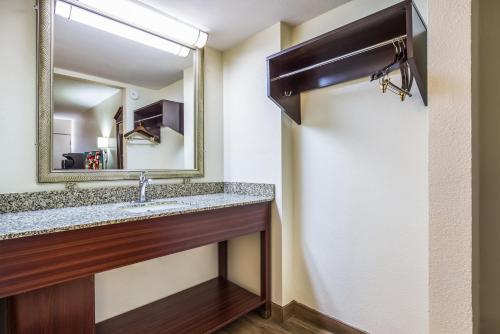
29	223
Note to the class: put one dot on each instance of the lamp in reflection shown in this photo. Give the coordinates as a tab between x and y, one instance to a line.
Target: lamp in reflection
104	143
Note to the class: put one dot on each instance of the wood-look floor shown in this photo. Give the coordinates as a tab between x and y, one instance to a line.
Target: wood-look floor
254	324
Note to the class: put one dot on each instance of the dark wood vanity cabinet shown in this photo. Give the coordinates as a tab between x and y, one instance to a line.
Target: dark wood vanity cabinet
48	280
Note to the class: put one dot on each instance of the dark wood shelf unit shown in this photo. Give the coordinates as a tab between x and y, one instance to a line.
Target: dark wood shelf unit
160	114
202	309
402	19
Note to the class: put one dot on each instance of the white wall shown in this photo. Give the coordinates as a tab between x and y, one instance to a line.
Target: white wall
104	113
87	125
361	208
169	153
357	248
18	105
61	140
129	287
360	230
85	129
450	167
252	149
360	171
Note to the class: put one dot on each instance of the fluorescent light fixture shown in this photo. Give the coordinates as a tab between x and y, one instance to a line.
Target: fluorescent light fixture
202	39
151	20
114	27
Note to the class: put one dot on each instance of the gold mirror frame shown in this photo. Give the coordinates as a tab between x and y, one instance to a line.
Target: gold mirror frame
45	37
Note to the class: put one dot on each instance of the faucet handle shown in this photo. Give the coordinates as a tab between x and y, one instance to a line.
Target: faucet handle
142	177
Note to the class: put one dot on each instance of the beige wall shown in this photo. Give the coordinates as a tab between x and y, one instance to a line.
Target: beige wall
85	129
129	287
252	147
452	230
169	153
87	125
104	114
360	172
450	167
353	131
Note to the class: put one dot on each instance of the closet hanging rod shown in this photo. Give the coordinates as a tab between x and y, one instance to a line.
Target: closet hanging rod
148	118
342	57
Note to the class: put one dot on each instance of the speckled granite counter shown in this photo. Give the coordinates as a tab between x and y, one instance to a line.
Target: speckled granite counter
22	224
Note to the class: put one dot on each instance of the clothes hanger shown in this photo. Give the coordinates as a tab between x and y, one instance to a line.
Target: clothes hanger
400	58
383	72
404	69
141	130
409	77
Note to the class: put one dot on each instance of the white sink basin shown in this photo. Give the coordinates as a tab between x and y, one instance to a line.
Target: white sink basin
153	206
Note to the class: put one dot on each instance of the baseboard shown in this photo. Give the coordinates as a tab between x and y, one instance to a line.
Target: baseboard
300	311
282	313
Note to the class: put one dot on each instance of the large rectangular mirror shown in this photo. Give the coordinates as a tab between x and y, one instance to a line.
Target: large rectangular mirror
112	104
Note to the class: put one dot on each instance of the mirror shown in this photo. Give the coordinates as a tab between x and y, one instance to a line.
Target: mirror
117	105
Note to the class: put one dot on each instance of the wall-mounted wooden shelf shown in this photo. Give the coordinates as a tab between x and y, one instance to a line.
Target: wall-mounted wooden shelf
348	53
160	114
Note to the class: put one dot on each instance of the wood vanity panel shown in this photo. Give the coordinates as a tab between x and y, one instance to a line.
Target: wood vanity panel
60	309
39	261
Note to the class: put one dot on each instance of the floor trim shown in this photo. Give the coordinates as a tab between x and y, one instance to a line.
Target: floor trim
300	311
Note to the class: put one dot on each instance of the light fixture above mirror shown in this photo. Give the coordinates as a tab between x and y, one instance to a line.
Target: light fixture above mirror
103	23
135	21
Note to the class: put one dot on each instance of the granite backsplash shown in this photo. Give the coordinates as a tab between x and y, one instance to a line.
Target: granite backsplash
43	200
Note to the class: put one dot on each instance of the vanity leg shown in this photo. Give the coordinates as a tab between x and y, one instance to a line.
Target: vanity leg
59	309
265	266
222	250
3	316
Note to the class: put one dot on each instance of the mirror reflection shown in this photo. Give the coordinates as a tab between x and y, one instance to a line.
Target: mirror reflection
119	103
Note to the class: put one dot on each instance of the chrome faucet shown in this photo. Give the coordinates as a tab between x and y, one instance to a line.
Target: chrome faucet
143	183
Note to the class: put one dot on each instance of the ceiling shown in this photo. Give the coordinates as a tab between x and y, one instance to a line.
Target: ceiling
84	49
73	95
231	21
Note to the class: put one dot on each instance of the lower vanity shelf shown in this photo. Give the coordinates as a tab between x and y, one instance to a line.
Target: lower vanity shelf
204	308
